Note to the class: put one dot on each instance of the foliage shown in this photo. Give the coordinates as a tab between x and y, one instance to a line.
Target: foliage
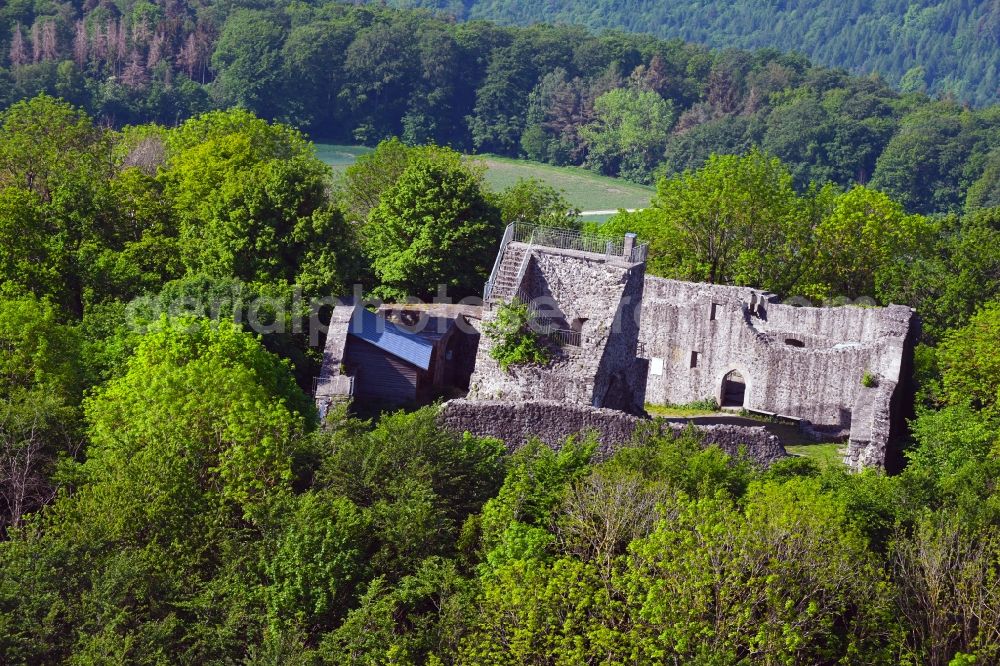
40	387
246	456
924	46
165	495
532	201
624	104
629	133
969	364
733	220
251	200
514	340
434	226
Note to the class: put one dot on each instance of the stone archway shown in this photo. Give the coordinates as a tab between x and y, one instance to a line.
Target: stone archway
734	390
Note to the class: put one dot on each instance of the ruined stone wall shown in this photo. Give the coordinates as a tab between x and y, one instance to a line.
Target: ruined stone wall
570	286
819	381
552	422
841	324
802	362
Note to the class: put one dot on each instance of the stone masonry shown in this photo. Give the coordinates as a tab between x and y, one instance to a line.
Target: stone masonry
800	362
590	297
552	422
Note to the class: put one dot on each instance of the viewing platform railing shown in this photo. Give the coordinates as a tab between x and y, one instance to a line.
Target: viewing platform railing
566	337
338	385
625	248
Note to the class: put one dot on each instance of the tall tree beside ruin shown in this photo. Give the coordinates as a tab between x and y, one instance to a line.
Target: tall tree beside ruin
252	203
734	221
434	226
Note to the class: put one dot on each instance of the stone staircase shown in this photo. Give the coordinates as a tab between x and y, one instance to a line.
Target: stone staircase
505	282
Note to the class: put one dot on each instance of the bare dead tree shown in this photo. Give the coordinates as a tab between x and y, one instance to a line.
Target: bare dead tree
948	589
24	458
50	41
134	75
99	45
80	44
157	50
148	154
18	49
187	58
604	512
36	42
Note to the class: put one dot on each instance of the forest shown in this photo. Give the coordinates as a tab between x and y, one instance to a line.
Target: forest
168	496
626	105
941	46
170	245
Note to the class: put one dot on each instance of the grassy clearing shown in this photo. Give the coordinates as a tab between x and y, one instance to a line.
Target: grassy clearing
679	412
340	157
827	456
584	189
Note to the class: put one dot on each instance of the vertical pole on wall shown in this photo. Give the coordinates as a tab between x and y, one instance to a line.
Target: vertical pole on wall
629	246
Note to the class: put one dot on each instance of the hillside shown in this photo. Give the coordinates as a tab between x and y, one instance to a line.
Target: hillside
621	105
583	189
935	45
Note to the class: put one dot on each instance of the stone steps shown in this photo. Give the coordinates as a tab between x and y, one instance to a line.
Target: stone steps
505	284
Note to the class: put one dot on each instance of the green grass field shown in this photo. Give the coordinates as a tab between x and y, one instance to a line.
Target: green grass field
827	456
584	189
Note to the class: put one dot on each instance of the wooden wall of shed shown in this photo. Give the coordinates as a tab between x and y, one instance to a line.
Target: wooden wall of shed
380	376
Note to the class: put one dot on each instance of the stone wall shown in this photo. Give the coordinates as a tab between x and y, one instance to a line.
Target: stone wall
801	362
551	422
601	296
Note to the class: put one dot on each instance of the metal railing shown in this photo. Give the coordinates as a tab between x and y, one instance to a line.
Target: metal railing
567	239
562	239
338	385
566	337
508	234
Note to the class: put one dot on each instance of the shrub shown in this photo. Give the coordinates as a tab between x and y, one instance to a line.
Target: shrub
868	380
514	343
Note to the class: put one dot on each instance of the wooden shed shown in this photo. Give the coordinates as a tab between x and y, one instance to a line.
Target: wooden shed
395	364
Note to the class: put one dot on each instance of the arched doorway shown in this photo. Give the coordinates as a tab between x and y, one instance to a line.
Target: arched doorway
734	389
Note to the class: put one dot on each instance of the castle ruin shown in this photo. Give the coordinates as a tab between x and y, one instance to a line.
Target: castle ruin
631	339
622	340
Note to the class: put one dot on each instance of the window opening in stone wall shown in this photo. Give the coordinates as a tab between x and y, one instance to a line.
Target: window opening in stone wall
577	324
656	366
715	312
694	359
793	342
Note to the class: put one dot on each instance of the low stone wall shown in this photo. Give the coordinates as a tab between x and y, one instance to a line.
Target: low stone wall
552	422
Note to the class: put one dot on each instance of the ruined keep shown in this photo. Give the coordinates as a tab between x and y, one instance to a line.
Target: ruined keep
842	371
584	292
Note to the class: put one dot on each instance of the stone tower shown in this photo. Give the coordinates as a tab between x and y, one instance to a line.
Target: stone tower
584	292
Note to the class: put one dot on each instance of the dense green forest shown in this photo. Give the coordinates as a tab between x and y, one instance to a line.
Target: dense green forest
168	496
942	46
622	104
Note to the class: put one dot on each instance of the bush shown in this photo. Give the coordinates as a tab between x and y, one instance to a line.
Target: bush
868	380
514	343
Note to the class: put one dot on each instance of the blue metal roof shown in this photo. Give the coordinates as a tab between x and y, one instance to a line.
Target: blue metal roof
385	335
